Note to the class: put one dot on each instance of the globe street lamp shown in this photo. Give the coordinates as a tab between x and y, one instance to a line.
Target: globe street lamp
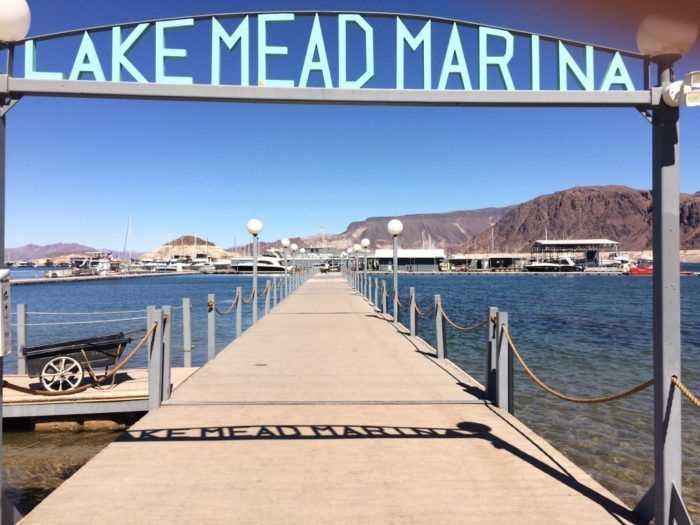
255	226
285	245
395	228
365	245
15	19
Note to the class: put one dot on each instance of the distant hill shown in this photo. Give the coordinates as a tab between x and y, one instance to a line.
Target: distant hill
615	212
439	230
35	251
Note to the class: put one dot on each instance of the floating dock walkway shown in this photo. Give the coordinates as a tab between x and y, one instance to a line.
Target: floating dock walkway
324	413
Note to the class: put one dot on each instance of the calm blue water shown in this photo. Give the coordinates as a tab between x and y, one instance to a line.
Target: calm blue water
131	296
585	335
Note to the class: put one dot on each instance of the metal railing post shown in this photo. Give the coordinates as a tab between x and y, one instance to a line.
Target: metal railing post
274	292
21	338
211	326
376	293
503	365
491	354
150	319
268	289
155	364
187	331
384	297
167	339
439	329
239	311
369	290
412	310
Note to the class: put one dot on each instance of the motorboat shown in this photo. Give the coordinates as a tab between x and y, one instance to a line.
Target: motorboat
268	262
643	268
563	264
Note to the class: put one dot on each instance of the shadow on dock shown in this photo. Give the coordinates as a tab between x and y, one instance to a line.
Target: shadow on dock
462	430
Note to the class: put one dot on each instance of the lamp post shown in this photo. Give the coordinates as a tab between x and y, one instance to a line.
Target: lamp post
356	248
365	246
664	41
15	19
255	226
349	256
294	247
285	245
302	254
395	228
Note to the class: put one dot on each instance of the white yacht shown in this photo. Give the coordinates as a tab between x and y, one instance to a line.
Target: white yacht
268	262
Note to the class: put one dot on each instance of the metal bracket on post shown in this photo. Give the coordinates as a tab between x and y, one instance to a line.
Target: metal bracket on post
412	308
155	364
491	354
503	365
211	327
167	338
439	328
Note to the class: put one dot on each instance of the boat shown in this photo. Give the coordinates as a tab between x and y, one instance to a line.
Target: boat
268	262
24	264
564	264
643	268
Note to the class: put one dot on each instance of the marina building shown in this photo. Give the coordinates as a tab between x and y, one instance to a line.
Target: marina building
413	260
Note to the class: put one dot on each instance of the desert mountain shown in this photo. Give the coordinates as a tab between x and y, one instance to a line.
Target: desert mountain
614	212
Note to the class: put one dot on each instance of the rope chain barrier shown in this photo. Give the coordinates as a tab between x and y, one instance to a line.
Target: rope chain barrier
694	400
234	305
253	293
565	397
96	384
96	321
461	328
426	312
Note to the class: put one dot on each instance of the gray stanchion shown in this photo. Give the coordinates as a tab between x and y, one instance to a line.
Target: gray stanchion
503	364
21	338
155	364
211	327
187	331
491	354
439	328
412	309
268	289
167	338
239	311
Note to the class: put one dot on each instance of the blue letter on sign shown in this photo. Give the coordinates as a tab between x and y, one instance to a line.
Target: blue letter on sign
485	60
424	38
264	50
343	81
120	49
162	52
455	51
218	35
316	45
87	61
30	65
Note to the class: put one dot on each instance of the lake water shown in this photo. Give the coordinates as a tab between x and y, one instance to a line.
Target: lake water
585	335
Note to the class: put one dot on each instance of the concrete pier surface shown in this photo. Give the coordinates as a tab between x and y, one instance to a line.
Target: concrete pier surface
325	413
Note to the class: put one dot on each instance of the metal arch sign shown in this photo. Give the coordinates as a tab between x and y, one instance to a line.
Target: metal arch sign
333	57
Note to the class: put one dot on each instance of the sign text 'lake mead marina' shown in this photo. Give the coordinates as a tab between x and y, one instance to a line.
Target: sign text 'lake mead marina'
526	352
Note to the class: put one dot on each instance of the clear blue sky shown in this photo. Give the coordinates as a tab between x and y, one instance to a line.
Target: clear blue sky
77	169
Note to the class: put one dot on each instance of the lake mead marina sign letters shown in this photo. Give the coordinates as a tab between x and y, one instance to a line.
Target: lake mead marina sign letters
331	50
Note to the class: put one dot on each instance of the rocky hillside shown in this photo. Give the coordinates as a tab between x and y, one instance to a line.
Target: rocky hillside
32	252
614	212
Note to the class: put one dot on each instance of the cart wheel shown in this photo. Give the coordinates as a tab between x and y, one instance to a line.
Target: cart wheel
61	374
